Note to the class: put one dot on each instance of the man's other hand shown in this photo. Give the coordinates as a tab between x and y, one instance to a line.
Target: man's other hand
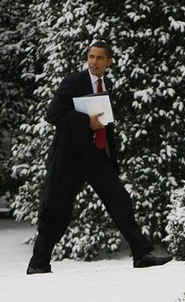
95	123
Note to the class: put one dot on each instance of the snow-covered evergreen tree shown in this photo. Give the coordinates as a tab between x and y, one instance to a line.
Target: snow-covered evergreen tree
176	224
14	98
148	74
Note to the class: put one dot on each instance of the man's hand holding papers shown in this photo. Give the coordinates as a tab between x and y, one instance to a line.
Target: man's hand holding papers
95	123
97	106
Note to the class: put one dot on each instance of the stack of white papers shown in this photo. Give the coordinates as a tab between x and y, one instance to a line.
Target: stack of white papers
95	104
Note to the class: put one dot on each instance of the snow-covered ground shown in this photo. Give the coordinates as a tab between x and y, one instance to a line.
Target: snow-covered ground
105	280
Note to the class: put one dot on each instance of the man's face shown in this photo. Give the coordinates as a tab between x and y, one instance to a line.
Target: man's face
98	61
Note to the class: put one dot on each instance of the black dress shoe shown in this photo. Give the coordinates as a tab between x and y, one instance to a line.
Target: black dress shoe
151	260
38	270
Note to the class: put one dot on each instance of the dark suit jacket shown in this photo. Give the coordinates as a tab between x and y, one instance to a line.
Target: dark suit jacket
73	135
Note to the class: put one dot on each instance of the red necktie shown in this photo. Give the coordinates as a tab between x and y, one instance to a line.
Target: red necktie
100	137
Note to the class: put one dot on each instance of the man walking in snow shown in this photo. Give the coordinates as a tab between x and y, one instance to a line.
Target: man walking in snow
84	150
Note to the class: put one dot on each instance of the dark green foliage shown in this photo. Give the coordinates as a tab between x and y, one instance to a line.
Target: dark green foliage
110	7
14	90
147	38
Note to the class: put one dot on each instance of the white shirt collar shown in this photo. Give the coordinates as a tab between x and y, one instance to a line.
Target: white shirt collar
94	78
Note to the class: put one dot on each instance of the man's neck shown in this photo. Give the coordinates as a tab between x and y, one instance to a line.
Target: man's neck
95	77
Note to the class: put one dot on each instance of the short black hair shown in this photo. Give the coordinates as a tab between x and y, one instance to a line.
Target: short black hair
102	44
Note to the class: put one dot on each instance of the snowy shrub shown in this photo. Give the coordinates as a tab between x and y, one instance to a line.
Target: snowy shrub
148	75
14	91
176	224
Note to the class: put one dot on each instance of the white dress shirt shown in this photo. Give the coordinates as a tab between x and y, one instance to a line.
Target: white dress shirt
94	81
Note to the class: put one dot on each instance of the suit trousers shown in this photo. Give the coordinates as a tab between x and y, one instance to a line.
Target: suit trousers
56	205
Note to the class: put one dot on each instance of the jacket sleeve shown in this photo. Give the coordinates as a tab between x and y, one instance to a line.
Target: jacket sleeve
62	114
61	107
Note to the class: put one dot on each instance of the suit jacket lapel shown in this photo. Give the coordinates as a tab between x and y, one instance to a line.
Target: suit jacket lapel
86	85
